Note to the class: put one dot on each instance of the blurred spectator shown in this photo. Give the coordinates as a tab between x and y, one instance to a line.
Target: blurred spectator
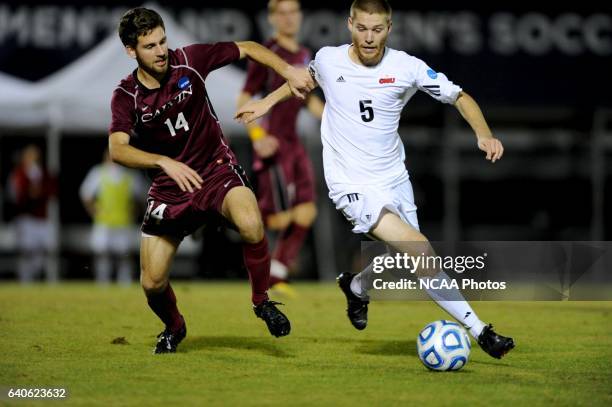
283	170
109	192
30	188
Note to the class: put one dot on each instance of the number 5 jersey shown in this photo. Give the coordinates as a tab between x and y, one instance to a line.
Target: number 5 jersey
361	145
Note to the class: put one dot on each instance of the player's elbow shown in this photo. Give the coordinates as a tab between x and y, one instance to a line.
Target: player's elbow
116	144
114	154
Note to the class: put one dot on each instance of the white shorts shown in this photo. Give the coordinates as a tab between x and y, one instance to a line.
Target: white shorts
33	234
119	241
362	205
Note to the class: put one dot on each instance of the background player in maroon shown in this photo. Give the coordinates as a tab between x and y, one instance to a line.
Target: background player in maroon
285	180
163	120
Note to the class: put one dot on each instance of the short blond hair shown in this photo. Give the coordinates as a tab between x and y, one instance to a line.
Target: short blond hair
272	4
371	7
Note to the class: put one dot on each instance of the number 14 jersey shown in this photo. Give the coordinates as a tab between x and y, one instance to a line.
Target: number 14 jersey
177	119
361	145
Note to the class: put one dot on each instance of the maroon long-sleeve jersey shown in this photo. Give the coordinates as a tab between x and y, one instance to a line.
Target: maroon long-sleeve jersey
177	119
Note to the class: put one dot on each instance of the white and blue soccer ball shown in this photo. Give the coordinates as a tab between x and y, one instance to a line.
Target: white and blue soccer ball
443	345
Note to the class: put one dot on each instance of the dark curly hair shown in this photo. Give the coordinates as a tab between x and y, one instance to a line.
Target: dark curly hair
136	22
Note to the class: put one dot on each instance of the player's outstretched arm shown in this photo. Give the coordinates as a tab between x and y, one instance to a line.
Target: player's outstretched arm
315	106
300	81
472	114
264	144
243	99
255	109
123	153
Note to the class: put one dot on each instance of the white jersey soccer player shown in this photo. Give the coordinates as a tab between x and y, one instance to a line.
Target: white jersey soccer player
366	86
363	155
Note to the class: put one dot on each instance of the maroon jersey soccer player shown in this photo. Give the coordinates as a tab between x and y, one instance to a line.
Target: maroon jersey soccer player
164	105
285	184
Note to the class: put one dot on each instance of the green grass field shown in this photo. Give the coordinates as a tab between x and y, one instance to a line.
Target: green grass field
60	336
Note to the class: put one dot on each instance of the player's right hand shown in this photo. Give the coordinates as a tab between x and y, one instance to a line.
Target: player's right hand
300	81
266	147
186	178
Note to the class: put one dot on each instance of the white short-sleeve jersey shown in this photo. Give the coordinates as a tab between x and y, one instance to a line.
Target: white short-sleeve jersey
361	145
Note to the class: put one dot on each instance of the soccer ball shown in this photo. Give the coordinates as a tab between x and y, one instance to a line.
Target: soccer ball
443	345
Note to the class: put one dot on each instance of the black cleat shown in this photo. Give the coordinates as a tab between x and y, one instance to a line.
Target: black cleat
277	322
168	340
357	309
494	344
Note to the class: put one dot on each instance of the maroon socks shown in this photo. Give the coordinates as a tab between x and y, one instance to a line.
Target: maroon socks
290	243
257	262
163	303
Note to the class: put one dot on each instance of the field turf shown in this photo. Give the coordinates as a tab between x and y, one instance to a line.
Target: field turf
60	336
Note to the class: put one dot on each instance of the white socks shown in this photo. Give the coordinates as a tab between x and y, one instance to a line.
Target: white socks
278	270
449	299
358	286
452	301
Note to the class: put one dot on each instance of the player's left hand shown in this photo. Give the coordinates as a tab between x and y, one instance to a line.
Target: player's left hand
266	147
492	146
251	111
300	81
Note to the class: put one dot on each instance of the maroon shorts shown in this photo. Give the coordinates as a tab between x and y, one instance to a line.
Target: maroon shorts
285	182
182	218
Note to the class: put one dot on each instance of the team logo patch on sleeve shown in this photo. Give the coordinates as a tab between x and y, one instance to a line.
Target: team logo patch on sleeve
183	82
432	74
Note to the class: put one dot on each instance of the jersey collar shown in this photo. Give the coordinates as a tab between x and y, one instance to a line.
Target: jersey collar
360	66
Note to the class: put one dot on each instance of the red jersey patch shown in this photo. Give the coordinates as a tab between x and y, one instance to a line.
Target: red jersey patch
386	80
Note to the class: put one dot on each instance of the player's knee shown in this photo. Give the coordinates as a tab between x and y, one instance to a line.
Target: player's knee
251	229
278	221
305	214
152	283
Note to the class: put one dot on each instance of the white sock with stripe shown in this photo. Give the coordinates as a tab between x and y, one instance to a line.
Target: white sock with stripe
452	301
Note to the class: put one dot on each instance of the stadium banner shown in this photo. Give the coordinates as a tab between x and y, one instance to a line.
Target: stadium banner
507	45
487	271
